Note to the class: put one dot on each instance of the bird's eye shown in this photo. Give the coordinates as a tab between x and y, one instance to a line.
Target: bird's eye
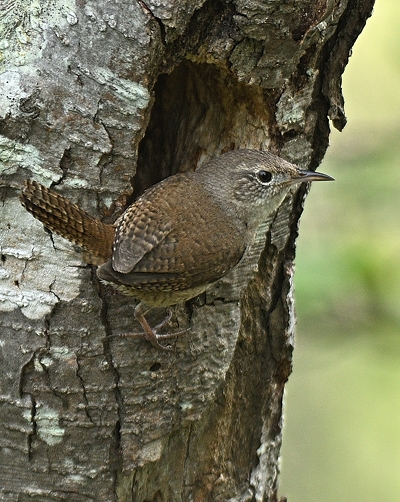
264	176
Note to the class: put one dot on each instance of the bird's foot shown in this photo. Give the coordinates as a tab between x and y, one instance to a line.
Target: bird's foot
150	334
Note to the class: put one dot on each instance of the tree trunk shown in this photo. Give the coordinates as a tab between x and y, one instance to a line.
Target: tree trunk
103	99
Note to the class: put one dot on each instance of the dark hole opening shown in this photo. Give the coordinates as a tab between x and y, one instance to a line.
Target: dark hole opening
199	110
155	367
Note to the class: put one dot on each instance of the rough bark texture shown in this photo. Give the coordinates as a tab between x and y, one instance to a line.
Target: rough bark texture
104	99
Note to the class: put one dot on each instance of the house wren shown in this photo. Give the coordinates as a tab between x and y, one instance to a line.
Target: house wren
182	234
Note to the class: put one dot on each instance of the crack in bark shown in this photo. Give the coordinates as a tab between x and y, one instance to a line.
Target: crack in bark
148	11
186	460
109	358
53	292
33	434
85	398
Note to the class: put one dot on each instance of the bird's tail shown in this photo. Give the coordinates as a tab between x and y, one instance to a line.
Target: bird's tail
70	221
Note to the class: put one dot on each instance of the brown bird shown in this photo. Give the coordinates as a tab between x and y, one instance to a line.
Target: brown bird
182	234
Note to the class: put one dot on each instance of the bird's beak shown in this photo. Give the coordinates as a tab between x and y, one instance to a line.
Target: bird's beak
304	176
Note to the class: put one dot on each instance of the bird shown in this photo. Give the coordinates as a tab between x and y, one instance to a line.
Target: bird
182	234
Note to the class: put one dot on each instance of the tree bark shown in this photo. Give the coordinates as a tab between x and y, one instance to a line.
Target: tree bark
103	99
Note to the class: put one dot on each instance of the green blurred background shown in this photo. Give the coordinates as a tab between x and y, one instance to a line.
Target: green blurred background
342	406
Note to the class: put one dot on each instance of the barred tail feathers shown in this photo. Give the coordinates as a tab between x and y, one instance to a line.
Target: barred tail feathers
68	220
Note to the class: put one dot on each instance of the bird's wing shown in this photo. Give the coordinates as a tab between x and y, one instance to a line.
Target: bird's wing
176	235
139	231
